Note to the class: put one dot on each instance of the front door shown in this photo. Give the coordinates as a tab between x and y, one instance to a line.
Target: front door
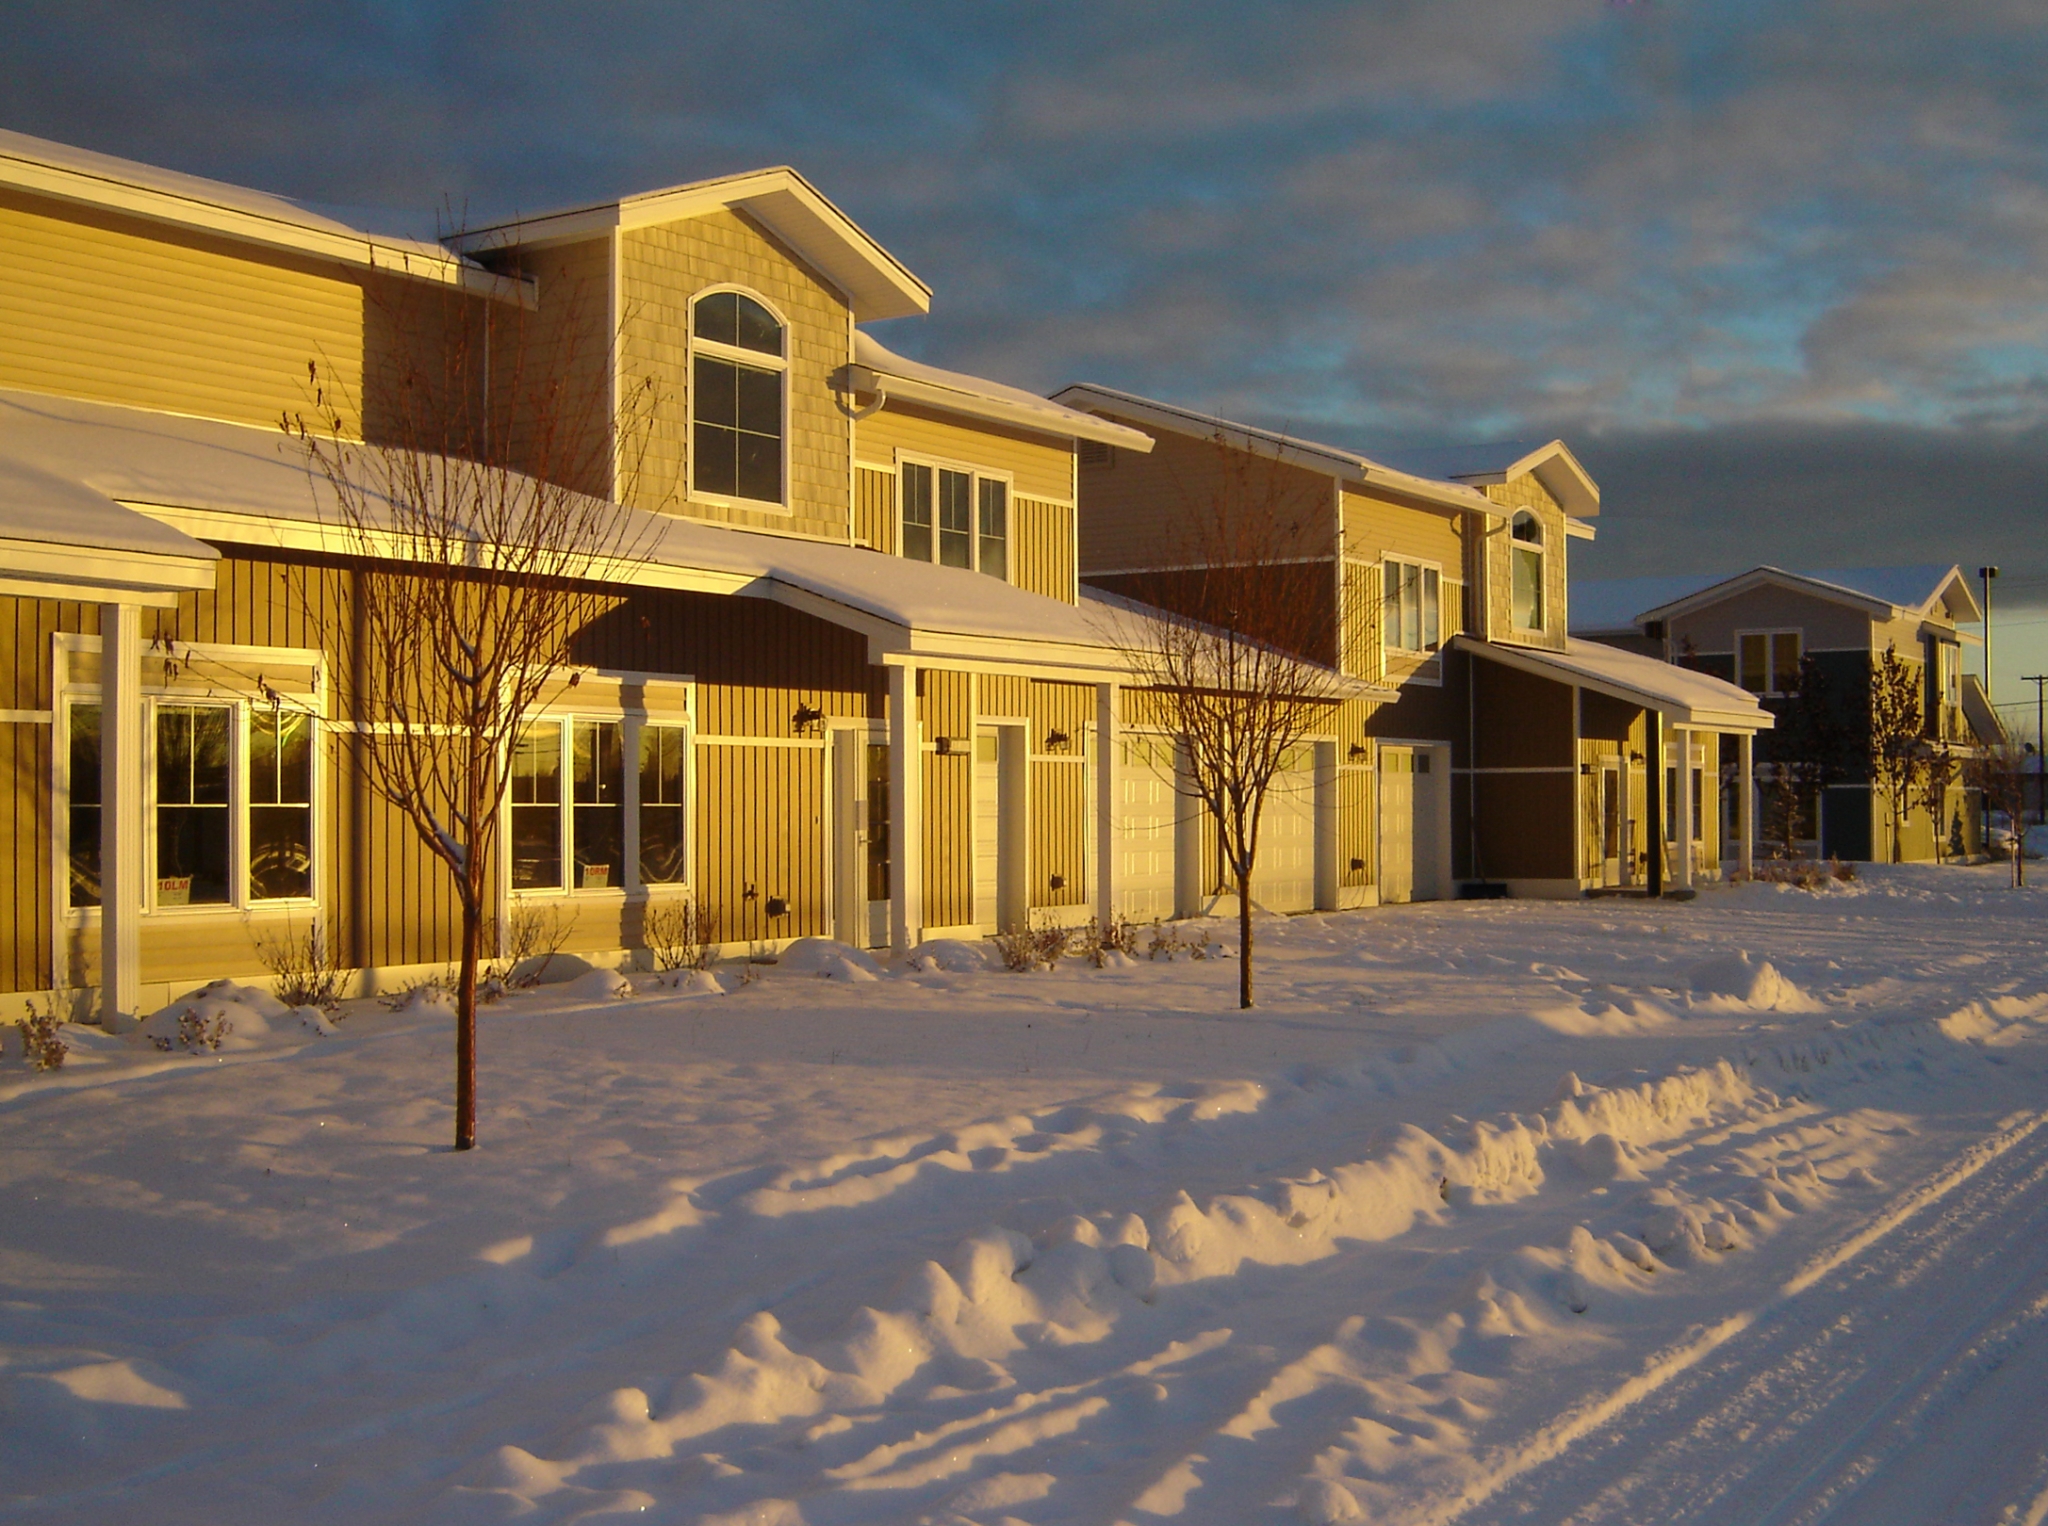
1610	825
1397	825
860	809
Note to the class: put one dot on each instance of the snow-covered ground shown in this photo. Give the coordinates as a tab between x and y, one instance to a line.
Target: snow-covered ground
1734	1211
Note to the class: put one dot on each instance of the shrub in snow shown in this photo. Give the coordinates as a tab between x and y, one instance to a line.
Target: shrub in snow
828	957
432	994
1802	873
690	983
1038	947
1106	941
41	1046
679	934
952	955
222	1015
598	985
302	972
532	937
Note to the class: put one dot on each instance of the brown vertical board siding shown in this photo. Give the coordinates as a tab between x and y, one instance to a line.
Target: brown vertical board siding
1296	586
760	825
1042	554
874	509
1004	696
662	269
25	949
946	709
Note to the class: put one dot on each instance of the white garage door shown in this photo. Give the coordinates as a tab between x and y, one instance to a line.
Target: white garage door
1146	808
1284	878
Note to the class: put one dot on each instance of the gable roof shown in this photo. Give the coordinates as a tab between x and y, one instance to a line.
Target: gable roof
1334	460
233	212
875	282
1684	695
1551	462
1886	593
880	370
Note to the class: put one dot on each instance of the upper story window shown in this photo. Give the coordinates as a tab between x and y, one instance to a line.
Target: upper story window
739	379
955	518
1767	662
1411	595
1527	553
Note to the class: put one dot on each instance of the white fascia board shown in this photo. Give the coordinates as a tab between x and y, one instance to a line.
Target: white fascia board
1578	529
89	572
891	387
1972	613
876	284
409	258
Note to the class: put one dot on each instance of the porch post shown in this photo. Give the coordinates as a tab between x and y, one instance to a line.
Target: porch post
906	812
1653	797
1105	802
1745	803
1625	803
1681	748
120	812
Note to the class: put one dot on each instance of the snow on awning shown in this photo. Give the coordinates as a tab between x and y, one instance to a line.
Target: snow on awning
1684	696
60	539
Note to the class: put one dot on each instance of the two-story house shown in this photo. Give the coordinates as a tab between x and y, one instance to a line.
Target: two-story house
848	687
1772	632
1500	755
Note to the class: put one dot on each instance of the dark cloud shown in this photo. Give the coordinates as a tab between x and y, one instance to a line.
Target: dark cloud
1793	250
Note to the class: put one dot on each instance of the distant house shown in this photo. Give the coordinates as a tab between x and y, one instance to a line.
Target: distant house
1769	631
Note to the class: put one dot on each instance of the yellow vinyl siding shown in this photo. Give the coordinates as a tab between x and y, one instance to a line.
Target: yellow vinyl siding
662	269
874	509
1042	548
1149	511
1062	815
1039	466
96	306
760	826
946	709
551	368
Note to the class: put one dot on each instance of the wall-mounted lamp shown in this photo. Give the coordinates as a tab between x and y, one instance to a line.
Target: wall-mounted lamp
1058	882
943	746
777	906
1358	866
806	717
1357	754
1055	739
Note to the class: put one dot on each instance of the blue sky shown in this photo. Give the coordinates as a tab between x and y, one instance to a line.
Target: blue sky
1776	270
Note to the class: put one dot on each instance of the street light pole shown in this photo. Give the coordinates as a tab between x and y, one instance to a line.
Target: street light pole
1987	574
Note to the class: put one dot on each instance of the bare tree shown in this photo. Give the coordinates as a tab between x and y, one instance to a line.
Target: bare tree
1898	754
1237	650
2000	772
479	530
1939	775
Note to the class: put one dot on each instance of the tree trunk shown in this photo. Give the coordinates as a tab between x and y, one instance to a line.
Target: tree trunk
465	1025
1244	938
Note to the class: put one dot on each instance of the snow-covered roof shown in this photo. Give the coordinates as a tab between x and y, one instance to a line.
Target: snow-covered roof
1885	592
1684	696
192	478
876	284
878	369
234	212
1346	465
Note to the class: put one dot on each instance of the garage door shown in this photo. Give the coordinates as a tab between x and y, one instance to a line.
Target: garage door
1284	878
1146	808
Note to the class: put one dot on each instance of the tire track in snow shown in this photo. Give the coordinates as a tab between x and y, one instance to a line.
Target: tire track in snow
1685	1360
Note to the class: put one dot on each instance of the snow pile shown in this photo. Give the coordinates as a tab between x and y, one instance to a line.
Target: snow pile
224	1016
952	956
598	985
1737	982
829	959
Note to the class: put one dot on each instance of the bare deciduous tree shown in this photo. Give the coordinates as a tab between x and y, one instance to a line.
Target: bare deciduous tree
474	555
1898	751
1939	775
1228	643
2000	772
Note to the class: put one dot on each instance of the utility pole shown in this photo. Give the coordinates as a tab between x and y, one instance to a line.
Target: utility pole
2040	746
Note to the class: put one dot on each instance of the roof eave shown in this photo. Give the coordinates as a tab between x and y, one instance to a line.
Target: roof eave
890	386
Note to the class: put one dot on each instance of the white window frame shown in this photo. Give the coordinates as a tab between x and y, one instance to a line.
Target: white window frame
631	723
1390	639
976	476
1770	637
737	355
1538	548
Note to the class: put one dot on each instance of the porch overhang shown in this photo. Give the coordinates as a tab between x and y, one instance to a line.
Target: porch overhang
1683	697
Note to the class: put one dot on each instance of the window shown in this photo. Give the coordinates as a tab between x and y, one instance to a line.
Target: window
1768	661
84	783
738	371
663	847
280	804
1527	551
194	827
956	518
576	838
1411	594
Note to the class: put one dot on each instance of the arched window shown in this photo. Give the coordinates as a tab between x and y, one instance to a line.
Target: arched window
739	370
1527	552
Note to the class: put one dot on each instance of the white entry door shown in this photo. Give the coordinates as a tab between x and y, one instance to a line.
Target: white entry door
1147	808
1284	878
1397	825
860	810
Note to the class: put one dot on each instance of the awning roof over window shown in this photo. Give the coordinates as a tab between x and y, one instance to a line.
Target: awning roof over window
1683	696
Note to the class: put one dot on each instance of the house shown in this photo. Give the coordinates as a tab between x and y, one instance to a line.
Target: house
1505	755
1774	633
851	687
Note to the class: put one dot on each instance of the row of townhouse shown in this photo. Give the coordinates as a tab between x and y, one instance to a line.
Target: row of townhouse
860	680
1775	634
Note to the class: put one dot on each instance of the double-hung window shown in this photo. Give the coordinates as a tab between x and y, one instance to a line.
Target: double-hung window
1767	662
954	517
1411	605
576	837
1526	551
738	377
